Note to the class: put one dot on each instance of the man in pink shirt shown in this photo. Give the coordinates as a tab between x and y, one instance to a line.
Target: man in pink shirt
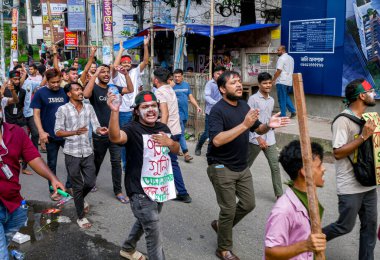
287	231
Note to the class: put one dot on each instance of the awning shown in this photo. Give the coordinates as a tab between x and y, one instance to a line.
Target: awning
199	29
204	30
130	44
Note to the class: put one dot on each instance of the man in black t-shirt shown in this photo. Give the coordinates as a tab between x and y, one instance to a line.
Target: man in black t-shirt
14	113
149	179
97	93
230	121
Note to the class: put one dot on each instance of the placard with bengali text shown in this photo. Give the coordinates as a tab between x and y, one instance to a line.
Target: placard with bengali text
157	177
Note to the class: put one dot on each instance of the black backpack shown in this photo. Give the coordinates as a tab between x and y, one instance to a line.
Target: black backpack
363	163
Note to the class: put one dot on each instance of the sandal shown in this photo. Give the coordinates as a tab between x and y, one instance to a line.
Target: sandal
122	199
84	223
133	256
86	207
55	197
27	172
188	157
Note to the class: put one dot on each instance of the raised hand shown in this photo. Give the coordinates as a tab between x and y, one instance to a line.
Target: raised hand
251	118
111	97
147	39
276	121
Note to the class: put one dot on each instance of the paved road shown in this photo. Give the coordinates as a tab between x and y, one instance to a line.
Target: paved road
186	227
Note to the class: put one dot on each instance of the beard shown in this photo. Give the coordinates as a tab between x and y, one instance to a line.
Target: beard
232	97
370	103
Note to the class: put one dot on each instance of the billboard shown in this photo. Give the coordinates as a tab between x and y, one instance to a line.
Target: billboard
333	42
76	15
57	8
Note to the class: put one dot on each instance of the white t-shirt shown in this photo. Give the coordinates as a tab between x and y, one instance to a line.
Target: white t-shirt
286	64
129	99
344	131
166	94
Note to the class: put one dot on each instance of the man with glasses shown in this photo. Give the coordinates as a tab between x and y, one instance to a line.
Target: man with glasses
354	199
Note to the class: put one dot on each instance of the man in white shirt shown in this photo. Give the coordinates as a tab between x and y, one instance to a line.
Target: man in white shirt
266	142
170	116
283	78
125	114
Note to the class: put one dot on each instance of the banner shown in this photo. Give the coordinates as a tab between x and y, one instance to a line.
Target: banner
71	38
76	15
107	18
157	177
14	34
374	116
332	42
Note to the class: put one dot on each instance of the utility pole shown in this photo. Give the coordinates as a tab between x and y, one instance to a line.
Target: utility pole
107	32
2	46
211	38
151	37
14	31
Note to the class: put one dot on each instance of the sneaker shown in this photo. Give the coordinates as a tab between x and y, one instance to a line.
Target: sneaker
184	198
134	255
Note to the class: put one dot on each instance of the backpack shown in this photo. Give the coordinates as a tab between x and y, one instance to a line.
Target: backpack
363	162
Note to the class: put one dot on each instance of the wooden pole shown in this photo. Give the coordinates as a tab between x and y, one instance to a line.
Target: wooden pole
50	22
307	158
211	38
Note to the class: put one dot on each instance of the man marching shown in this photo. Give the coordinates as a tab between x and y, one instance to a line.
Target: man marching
149	179
231	120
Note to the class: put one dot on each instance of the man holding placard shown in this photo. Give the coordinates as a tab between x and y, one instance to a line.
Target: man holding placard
354	198
149	178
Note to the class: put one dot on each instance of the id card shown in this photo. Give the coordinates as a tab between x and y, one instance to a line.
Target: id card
6	171
15	111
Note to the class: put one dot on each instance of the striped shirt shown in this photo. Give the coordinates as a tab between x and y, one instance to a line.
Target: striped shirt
69	119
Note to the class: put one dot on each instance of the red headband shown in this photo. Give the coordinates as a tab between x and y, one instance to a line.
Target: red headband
366	85
126	58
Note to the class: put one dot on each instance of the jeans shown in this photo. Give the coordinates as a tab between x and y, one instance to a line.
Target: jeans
178	180
228	185
9	225
182	139
52	149
81	171
101	145
365	205
284	99
204	136
124	118
146	213
272	156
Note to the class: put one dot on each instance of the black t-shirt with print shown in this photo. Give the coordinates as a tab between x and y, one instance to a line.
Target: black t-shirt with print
98	100
224	117
18	117
134	153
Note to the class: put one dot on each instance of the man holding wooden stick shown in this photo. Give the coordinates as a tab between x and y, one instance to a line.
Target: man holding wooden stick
231	120
288	232
354	199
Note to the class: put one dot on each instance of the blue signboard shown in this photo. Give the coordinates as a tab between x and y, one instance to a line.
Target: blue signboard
312	36
76	15
344	45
